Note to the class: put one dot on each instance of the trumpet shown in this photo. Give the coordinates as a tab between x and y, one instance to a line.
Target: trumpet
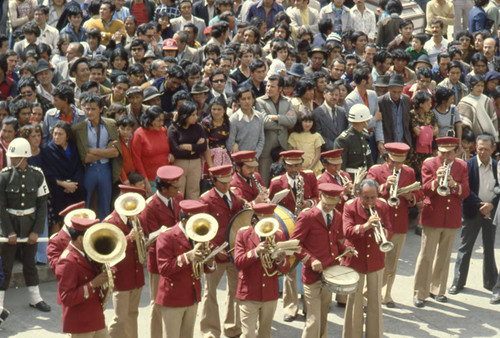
106	244
358	177
378	230
201	228
443	188
130	205
299	199
267	227
393	200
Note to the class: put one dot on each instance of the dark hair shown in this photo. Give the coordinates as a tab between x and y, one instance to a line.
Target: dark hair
405	22
242	90
289	81
42	48
176	72
92	98
400	54
121	79
135	69
217	72
422	37
255	31
27	81
151	114
186	109
277	46
318	75
454	51
394	7
31	28
74	234
112	6
303	85
212	48
3	63
420	97
93	8
118	52
124	121
495	93
443	55
219	29
468	135
94	33
26	130
325	25
425	72
356	35
443	94
116	108
461	33
93	64
361	74
74	11
134	177
437	21
219	101
255	64
478	57
305	115
139	43
74	65
66	127
454	64
42	8
65	93
181	95
193	26
474	80
21	104
276	77
480	3
380	57
87	85
63	39
285	26
10	121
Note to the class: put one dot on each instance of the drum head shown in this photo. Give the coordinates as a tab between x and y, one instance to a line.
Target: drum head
287	223
242	219
341	275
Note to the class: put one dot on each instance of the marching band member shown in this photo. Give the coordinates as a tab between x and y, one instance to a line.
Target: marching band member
79	280
359	225
384	175
306	189
445	182
244	184
179	291
161	209
319	231
258	289
129	276
223	205
332	161
60	240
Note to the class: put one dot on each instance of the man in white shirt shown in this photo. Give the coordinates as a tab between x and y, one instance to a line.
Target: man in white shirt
48	34
437	43
363	19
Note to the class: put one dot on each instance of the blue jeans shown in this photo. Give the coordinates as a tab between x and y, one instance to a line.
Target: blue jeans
98	176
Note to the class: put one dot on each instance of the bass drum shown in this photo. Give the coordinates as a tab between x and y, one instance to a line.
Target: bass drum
286	220
242	219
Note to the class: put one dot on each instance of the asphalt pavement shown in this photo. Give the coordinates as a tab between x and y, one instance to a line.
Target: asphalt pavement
468	314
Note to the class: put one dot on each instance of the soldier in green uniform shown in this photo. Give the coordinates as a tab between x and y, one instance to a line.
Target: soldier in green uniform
23	207
355	140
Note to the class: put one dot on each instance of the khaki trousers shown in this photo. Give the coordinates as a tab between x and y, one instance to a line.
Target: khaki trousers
103	333
431	271
353	317
126	306
252	312
210	322
155	320
290	293
318	301
190	180
391	266
178	322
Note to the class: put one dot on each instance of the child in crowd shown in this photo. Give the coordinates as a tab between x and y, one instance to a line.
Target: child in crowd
306	138
417	46
135	179
125	127
468	144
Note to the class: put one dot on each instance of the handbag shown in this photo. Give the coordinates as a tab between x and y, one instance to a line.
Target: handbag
424	140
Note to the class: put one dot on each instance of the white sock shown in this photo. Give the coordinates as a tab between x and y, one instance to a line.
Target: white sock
2	297
34	292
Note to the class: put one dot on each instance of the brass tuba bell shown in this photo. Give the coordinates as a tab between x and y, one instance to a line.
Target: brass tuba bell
130	205
201	228
266	228
79	213
106	244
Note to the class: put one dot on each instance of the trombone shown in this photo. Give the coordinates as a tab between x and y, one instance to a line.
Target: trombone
393	200
358	177
443	188
201	229
130	205
378	230
106	244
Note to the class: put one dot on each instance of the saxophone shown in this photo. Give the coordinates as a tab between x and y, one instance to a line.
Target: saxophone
299	198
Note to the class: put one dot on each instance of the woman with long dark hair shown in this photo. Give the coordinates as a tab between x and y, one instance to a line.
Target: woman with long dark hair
188	142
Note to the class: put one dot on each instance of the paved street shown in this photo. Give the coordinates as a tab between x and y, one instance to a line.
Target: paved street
468	314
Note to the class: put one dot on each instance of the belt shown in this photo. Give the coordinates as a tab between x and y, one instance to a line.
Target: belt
19	212
352	170
371	130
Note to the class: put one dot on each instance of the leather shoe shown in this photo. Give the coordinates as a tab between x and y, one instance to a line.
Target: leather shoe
390	304
339	304
454	289
439	298
288	318
495	299
41	306
4	315
418	302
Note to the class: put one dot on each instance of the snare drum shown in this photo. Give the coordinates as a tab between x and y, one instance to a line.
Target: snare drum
340	279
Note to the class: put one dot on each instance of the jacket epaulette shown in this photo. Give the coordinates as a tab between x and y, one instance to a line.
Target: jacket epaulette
64	254
276	178
54	235
244	228
349	202
382	200
428	159
206	192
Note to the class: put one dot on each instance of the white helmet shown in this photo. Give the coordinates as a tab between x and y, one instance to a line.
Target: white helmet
359	113
19	147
